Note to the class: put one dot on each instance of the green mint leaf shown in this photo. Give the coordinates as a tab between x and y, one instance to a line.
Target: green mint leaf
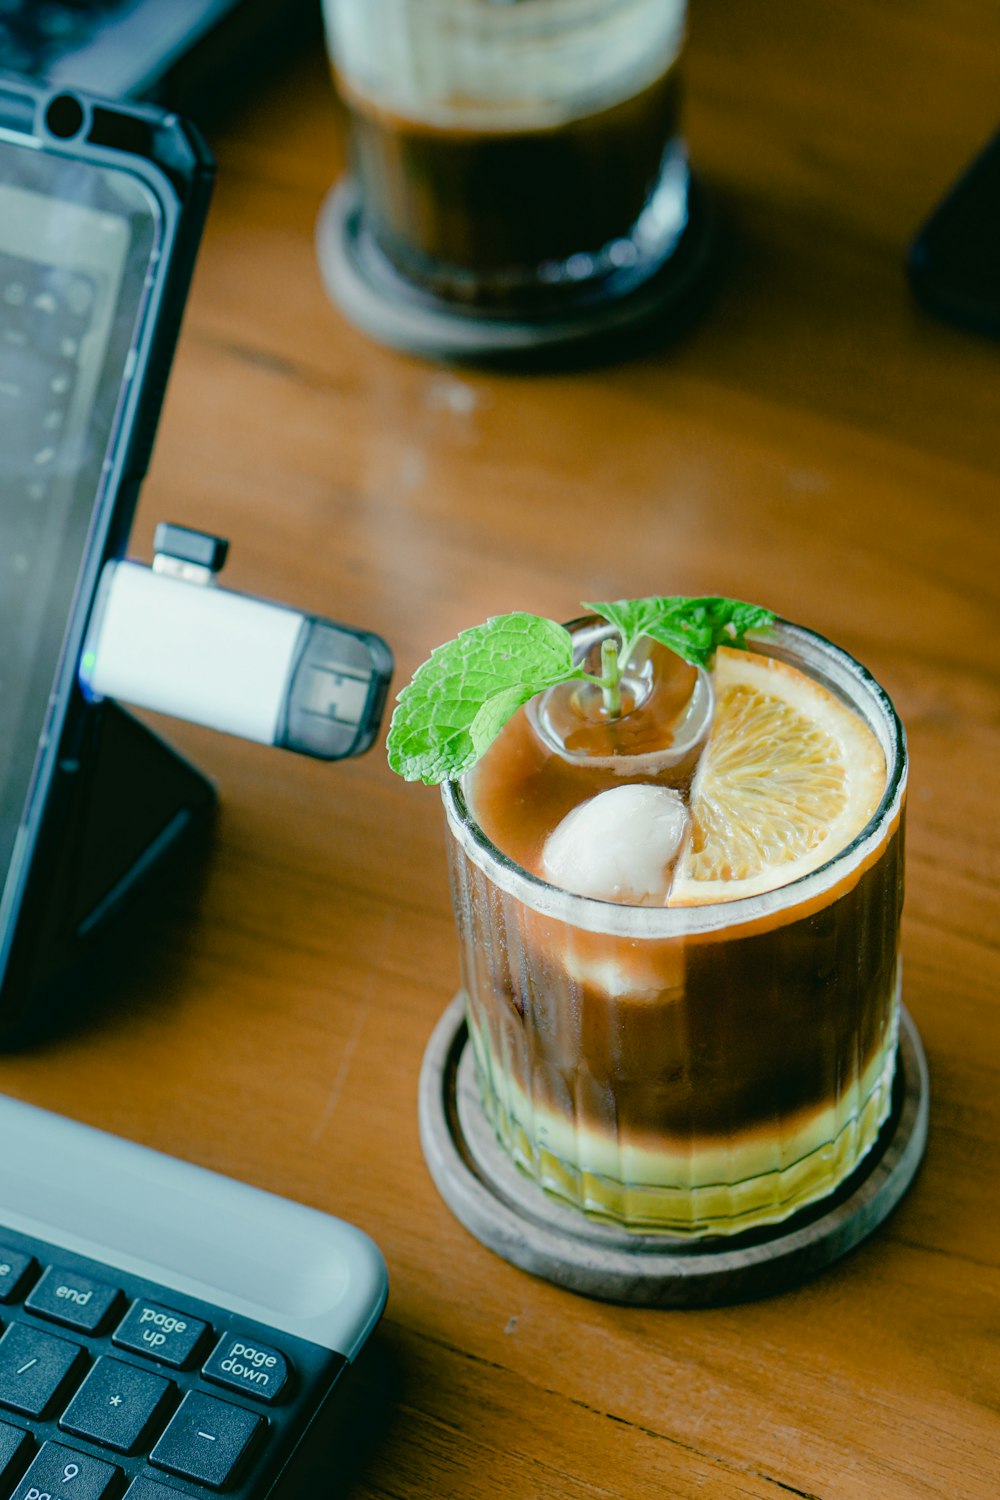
463	695
693	627
630	617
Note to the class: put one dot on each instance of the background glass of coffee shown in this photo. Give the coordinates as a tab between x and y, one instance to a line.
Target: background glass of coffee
515	155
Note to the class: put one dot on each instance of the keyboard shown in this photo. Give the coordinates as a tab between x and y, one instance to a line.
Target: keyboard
196	1354
46	316
35	34
177	52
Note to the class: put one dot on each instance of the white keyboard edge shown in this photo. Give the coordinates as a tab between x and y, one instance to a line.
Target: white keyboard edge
260	1256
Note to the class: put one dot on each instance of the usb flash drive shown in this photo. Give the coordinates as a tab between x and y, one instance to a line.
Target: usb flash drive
168	638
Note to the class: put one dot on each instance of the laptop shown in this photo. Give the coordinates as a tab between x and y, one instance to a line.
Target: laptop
193	56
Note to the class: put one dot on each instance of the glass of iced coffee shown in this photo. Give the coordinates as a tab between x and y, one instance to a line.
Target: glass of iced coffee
513	156
678	911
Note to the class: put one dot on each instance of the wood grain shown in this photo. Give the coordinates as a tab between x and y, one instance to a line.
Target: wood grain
816	443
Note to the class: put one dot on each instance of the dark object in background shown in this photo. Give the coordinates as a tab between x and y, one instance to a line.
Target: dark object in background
954	260
195	56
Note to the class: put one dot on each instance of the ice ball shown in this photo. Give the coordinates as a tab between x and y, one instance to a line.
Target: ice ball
618	846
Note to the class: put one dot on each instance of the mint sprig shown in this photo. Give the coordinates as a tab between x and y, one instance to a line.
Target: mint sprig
694	628
462	696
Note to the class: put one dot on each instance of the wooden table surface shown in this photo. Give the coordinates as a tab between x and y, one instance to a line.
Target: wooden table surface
817	444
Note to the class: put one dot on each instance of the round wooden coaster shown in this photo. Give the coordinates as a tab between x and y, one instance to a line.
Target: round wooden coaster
378	301
511	1215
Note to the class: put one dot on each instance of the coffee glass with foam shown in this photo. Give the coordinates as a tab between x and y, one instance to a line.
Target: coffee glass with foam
697	1067
513	157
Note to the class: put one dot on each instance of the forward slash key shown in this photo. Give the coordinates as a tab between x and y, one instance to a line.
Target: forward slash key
35	1369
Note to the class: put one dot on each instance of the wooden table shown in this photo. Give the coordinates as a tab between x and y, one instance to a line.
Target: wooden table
818	444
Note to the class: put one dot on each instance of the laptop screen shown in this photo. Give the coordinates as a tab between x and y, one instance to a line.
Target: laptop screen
77	243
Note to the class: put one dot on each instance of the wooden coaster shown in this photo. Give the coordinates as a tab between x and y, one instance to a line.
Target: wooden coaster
380	302
511	1215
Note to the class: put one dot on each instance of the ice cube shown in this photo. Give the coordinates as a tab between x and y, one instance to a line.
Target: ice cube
618	846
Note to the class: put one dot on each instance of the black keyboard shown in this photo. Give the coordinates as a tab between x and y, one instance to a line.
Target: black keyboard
113	1384
179	52
46	316
36	34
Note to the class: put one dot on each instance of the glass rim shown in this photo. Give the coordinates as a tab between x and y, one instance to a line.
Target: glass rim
511	14
659	922
497	70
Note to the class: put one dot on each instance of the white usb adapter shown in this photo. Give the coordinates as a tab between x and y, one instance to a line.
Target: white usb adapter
168	638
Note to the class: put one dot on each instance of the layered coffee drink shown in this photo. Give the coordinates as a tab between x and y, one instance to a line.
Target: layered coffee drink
509	156
679	929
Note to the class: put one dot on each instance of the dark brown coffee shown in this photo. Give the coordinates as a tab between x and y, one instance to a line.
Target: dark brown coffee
482	214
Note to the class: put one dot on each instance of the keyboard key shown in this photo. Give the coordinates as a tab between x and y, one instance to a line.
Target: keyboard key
245	1365
151	1489
207	1440
34	1368
73	1300
60	1471
15	1445
14	1268
116	1405
160	1333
